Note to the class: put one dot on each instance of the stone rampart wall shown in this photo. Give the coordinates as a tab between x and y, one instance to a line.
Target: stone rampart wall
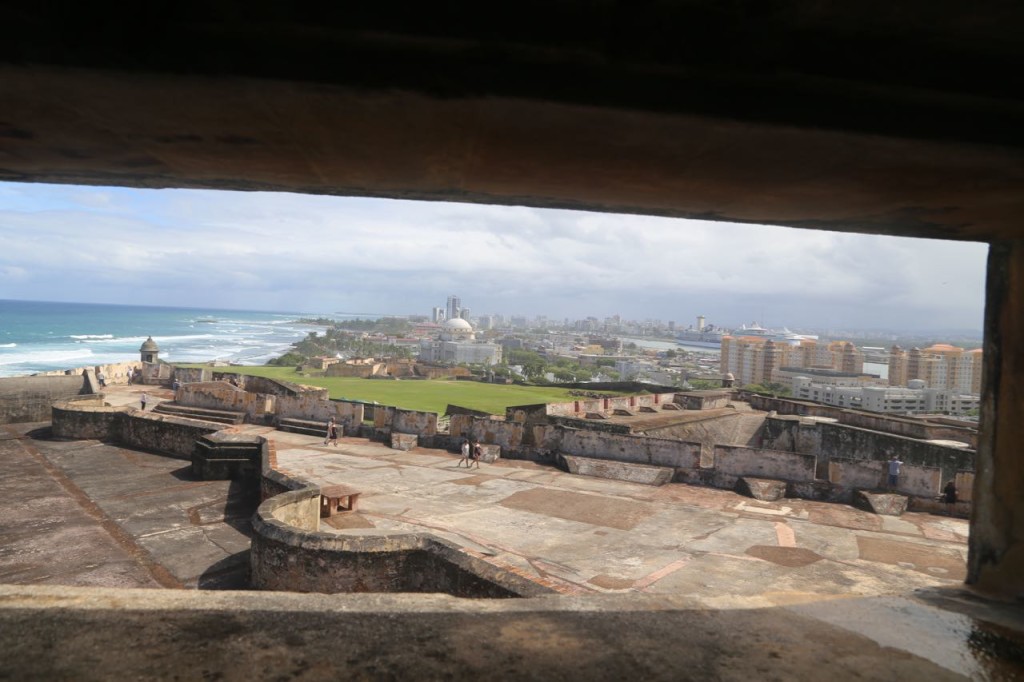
635	449
220	395
910	428
86	418
287	555
405	421
188	375
113	373
94	420
29	399
921	481
846	442
703	400
163	433
732	462
348	414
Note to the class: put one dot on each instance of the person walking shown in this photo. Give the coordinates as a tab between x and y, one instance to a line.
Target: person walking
894	471
332	433
465	453
143	399
949	496
477	453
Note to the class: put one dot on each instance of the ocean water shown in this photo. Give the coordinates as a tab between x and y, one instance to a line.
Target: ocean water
42	337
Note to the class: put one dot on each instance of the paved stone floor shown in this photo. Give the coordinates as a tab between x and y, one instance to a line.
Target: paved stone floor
93	514
585	535
675	582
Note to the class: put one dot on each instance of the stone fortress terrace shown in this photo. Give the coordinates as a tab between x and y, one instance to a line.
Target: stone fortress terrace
105	515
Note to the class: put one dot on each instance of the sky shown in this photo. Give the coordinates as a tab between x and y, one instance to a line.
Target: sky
319	254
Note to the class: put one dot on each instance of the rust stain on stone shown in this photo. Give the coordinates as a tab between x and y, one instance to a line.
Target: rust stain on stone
792	557
598	510
915	556
610	582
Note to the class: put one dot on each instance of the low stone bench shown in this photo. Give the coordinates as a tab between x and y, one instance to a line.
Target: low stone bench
338	498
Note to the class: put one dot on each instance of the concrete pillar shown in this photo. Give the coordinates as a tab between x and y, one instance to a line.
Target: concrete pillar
996	559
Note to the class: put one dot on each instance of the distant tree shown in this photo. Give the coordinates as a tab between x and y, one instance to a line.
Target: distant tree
287	359
770	388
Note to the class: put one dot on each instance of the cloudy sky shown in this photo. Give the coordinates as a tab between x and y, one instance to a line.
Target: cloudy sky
267	251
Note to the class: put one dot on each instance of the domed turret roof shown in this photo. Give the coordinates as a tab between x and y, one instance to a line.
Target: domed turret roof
457	323
150	346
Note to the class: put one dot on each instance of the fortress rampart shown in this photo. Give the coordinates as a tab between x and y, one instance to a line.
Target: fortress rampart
289	552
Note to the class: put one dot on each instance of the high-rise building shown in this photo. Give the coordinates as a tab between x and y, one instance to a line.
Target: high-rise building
754	359
436	314
454	307
940	366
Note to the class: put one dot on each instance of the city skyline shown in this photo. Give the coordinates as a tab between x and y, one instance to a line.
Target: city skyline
263	251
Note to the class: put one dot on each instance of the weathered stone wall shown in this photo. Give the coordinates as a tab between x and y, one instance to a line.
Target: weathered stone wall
163	433
791	434
86	418
288	557
188	375
638	449
273	387
509	436
922	481
846	442
703	400
28	399
114	373
93	420
911	428
347	414
220	395
405	421
732	462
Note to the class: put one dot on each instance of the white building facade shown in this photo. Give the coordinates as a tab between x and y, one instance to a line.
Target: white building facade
457	345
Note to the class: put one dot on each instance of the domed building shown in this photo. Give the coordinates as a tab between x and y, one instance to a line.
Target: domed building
457	329
456	344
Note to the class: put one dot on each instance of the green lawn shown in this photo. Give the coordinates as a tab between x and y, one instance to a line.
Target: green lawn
429	396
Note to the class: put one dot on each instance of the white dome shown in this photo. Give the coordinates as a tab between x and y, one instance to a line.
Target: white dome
457	323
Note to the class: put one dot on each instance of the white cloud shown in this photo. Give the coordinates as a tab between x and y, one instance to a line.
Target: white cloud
286	251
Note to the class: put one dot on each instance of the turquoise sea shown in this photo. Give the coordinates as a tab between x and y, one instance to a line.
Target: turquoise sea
42	336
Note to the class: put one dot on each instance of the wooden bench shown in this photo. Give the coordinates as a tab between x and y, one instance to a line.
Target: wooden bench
338	498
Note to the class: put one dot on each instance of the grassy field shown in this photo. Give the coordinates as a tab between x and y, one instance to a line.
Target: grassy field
430	396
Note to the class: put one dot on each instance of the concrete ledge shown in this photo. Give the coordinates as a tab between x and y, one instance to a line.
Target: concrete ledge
155	634
619	471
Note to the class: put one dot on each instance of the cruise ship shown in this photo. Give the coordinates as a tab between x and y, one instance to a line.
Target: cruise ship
703	335
710	336
783	335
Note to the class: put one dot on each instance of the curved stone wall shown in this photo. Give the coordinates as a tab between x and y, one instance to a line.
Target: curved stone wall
289	553
92	419
86	419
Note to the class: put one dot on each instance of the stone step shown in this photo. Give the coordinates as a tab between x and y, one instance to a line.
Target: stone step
205	414
307	427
